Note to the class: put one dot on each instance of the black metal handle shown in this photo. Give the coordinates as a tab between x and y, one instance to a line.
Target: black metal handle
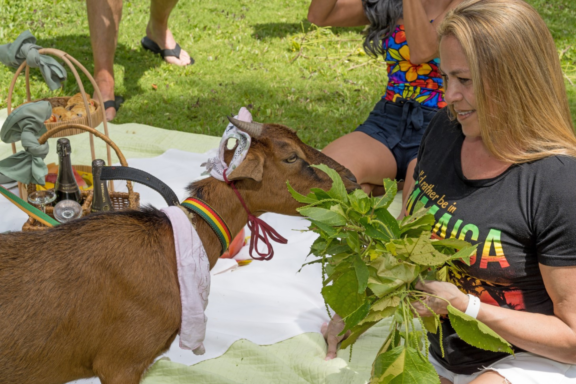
139	176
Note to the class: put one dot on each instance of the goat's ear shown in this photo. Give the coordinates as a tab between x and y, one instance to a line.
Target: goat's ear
251	168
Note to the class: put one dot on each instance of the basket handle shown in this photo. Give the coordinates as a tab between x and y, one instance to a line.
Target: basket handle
70	61
44	138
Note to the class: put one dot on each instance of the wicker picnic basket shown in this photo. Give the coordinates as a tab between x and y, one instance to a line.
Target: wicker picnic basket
120	200
83	124
92	119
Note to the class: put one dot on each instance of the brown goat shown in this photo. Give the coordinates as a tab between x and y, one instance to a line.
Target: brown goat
100	296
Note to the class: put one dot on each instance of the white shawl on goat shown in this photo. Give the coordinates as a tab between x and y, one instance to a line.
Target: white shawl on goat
194	279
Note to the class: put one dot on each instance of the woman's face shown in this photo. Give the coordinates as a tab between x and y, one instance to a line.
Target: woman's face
459	90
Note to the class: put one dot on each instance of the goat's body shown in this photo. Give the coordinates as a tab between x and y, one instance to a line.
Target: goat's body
94	297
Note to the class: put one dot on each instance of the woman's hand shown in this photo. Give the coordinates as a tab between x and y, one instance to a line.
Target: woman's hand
330	332
447	291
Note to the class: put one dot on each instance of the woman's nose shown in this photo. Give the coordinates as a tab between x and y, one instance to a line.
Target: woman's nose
451	94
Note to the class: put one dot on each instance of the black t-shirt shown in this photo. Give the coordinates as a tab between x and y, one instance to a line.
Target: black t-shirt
523	217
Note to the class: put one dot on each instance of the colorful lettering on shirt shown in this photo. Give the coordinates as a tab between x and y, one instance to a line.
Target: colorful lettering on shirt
447	226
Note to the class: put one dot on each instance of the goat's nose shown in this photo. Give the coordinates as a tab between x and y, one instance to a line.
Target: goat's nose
352	178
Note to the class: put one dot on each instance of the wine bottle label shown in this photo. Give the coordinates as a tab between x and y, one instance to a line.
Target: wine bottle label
68	188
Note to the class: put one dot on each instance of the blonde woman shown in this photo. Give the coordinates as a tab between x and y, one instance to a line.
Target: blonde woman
498	169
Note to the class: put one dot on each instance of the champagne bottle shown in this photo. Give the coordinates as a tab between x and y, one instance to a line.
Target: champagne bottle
101	200
66	187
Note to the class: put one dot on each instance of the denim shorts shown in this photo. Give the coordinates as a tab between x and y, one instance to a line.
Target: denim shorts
400	126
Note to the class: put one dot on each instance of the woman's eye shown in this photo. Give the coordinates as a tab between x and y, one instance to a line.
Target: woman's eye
463	80
292	159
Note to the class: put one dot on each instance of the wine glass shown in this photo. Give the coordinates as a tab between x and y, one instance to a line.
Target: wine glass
67	210
42	198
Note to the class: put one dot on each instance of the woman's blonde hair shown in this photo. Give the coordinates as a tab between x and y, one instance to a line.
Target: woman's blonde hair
519	86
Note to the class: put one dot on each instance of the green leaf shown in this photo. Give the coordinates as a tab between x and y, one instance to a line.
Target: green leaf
442	274
337	248
355	333
420	250
431	323
331	232
320	194
362	273
338	209
310	199
374	233
359	201
389	279
391	189
353	241
421	220
390	224
376	316
318	246
451	243
322	215
385	302
464	254
338	190
402	365
355	317
476	333
381	289
342	296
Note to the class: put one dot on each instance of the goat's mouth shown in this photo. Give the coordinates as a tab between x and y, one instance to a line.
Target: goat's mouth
352	179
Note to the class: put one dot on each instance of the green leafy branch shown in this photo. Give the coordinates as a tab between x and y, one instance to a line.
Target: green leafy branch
371	263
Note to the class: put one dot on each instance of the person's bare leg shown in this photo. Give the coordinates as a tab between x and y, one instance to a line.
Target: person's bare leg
444	380
367	158
490	377
104	19
157	30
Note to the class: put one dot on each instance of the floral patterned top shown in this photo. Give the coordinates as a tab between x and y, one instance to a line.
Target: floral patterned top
421	82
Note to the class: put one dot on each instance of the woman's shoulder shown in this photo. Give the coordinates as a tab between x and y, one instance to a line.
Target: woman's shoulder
552	178
553	166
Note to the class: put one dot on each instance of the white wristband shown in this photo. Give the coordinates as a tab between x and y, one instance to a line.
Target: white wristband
473	306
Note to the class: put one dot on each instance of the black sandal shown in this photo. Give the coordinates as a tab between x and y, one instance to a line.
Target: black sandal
116	103
151	46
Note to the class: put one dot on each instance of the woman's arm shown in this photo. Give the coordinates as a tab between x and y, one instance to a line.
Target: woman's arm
421	35
337	13
551	336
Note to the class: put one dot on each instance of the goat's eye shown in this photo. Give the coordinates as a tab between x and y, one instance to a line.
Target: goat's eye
292	159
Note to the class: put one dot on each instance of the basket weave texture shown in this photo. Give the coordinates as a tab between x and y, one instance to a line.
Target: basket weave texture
95	116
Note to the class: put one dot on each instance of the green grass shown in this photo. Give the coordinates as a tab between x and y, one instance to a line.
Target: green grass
258	53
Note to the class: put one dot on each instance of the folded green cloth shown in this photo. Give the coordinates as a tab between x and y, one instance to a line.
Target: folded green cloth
24	48
26	123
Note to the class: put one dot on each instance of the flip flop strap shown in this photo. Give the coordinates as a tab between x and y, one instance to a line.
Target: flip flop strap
172	52
110	104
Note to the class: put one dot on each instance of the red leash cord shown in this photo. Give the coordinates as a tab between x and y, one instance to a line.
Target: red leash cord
256	225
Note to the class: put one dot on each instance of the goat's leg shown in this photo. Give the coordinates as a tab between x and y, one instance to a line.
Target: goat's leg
123	378
114	374
112	369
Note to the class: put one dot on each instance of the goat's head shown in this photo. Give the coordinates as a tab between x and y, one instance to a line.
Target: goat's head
277	155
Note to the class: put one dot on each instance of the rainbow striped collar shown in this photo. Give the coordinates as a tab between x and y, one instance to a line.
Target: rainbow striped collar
210	216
